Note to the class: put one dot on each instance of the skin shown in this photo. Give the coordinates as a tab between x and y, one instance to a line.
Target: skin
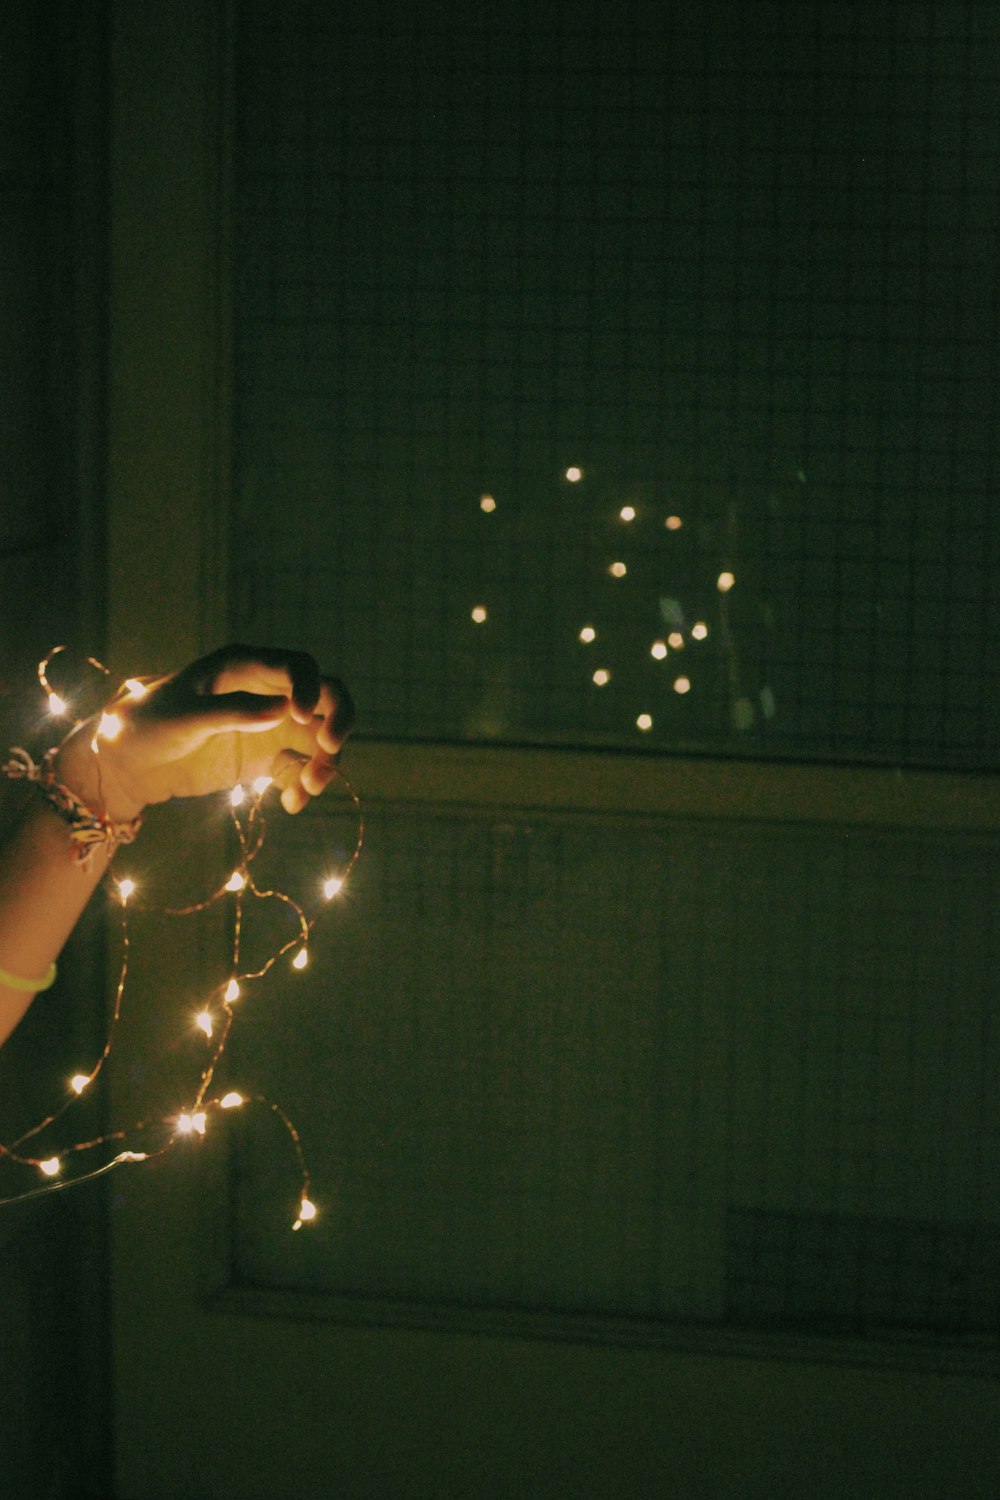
239	713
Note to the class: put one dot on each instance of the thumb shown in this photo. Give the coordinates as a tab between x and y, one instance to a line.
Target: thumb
246	712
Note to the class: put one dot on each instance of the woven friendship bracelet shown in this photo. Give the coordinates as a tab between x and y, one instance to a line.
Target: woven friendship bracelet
87	828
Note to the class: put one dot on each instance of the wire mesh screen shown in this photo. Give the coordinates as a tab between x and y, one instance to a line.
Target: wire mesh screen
625	375
719	1074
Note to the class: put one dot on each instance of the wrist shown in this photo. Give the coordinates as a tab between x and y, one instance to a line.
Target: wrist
98	777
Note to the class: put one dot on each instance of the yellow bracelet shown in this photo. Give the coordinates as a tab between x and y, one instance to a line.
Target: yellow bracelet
35	986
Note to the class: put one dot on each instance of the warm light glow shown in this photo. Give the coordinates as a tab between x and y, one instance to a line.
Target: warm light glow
232	990
487	503
57	705
110	726
675	640
627	513
204	1023
136	689
198	1121
126	888
50	1167
79	1082
574	475
332	886
682	685
644	722
307	1209
724	582
618	570
236	796
699	630
658	650
479	613
185	1125
232	1100
588	634
236	881
301	959
261	784
602	676
673	523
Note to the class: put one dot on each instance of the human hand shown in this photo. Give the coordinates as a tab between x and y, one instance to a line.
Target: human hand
239	713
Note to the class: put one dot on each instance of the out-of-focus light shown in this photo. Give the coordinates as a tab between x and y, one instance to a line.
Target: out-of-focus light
184	1125
198	1121
644	722
136	689
203	1021
307	1209
618	570
573	474
236	796
479	613
110	726
724	582
673	523
332	886
79	1082
682	685
658	650
236	881
602	677
232	990
50	1167
232	1100
261	784
301	959
588	634
126	888
57	705
699	630
675	641
627	513
487	504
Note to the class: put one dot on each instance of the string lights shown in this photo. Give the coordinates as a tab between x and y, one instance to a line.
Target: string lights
216	1016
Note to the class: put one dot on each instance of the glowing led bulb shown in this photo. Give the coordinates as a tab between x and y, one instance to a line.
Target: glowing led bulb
110	726
724	582
487	504
236	882
136	689
673	523
699	630
261	784
658	650
618	570
203	1021
236	796
231	1100
79	1082
57	705
682	685
644	722
126	888
301	959
332	886
232	990
184	1125
588	634
627	513
479	613
198	1121
602	677
675	640
50	1167
573	474
307	1211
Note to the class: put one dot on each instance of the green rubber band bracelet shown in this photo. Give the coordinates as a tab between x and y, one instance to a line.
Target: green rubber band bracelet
34	986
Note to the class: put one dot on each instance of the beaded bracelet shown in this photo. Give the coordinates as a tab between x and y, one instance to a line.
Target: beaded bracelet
87	828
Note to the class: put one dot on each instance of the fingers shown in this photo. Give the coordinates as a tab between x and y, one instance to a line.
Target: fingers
337	708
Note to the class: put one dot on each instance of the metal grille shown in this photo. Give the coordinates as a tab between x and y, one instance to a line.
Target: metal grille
734	263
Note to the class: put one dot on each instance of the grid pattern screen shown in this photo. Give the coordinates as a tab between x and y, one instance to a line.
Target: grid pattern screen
625	375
